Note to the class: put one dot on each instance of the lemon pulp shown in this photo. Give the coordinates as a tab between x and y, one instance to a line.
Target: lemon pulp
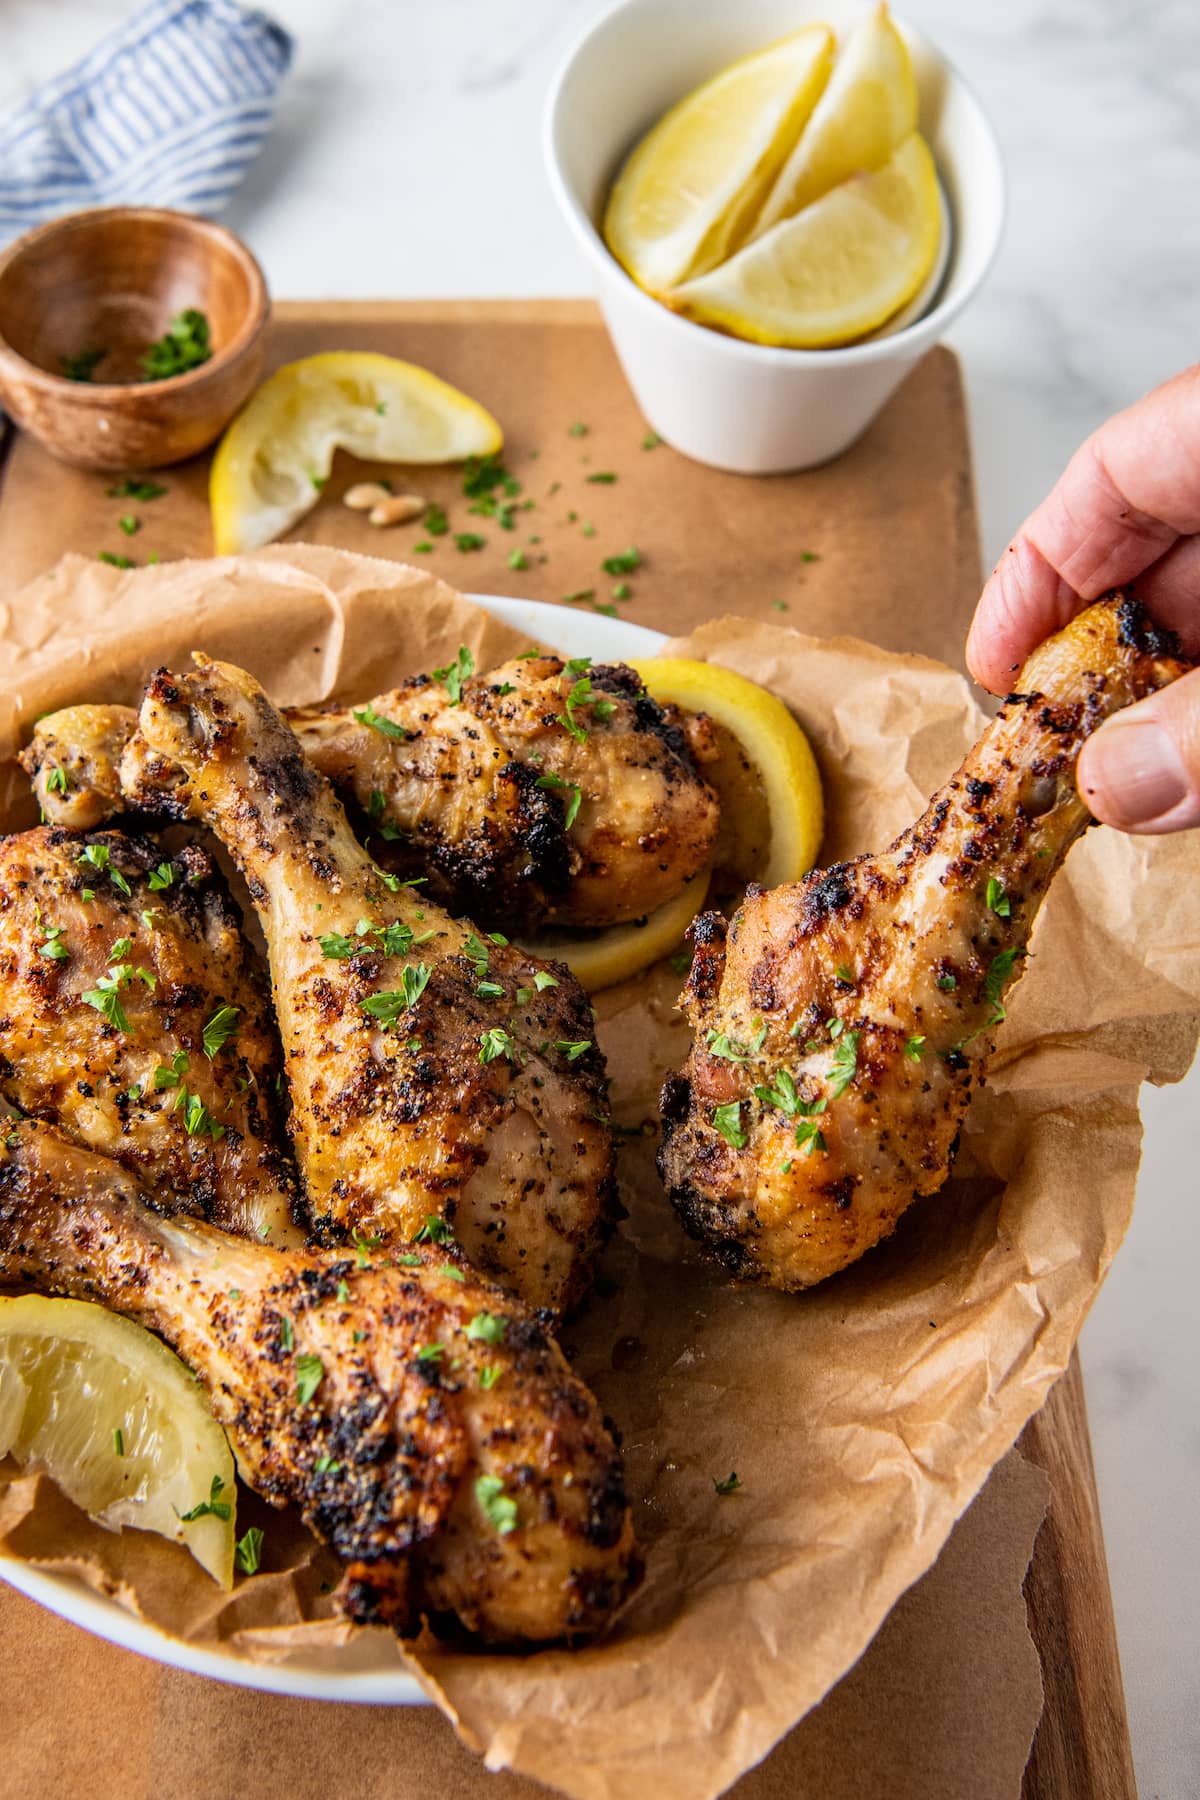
691	187
274	458
117	1422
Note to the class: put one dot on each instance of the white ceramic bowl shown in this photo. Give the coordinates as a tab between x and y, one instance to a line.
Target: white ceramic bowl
749	407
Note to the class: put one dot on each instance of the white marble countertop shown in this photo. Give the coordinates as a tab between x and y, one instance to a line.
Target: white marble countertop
405	162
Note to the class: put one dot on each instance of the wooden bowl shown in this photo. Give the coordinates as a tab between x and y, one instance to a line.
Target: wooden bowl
113	279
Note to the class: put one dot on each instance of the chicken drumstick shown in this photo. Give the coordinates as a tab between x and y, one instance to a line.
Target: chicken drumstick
438	1078
841	1023
418	1417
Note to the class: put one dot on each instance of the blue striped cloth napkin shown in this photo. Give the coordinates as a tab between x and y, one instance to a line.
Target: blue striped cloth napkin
169	110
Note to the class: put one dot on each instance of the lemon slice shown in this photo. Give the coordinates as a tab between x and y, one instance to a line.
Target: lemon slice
601	959
864	114
117	1422
691	188
838	269
273	460
772	811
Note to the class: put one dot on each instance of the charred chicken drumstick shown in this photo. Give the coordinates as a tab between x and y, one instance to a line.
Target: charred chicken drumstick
134	1018
542	791
418	1417
842	1023
435	1074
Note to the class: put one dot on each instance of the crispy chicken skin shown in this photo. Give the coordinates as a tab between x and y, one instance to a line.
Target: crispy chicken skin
463	791
442	1446
78	917
433	1072
842	1023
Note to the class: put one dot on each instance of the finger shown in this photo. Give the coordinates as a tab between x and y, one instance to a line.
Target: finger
1141	770
1124	499
1170	591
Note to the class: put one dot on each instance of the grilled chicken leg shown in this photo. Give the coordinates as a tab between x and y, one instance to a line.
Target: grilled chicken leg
418	1418
842	1023
133	1017
434	1074
471	781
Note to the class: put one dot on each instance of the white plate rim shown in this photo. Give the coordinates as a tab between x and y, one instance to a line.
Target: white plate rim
578	632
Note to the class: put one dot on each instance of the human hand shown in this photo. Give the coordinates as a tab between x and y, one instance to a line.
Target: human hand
1125	513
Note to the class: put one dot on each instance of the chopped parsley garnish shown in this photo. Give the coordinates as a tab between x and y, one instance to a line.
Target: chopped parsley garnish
287	1336
807	556
219	1029
455	673
543	979
169	1078
53	946
517	559
450	1272
184	345
105	997
731	1049
469	540
624	563
131	488
362	1243
487	1328
601	477
162	877
56	781
622	591
582	695
129	525
81	366
436	522
490	990
490	1374
999	970
577	430
651	441
389	1007
388	728
248	1550
997	899
310	1372
343	1291
573	788
727	1120
431	1353
477	953
844	1067
730	1485
115	561
780	1093
494	1043
947	983
809	1136
579	594
120	950
845	974
214	1505
97	857
914	1049
681	960
498	1508
434	1231
118	1441
573	1051
198	1121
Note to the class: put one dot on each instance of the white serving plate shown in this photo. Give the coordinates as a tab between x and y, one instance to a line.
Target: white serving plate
576	632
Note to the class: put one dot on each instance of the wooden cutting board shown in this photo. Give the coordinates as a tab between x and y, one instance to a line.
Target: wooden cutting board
882	543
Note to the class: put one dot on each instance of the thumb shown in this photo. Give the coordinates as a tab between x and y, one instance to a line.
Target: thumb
1141	770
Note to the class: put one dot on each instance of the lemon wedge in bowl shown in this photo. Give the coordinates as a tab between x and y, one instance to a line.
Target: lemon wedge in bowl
118	1423
273	461
835	271
690	190
865	113
772	808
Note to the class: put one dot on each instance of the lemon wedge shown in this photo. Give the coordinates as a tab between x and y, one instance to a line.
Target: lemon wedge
600	959
838	269
772	810
118	1423
273	460
867	110
691	188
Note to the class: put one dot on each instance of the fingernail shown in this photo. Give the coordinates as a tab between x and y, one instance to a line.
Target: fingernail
1135	773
